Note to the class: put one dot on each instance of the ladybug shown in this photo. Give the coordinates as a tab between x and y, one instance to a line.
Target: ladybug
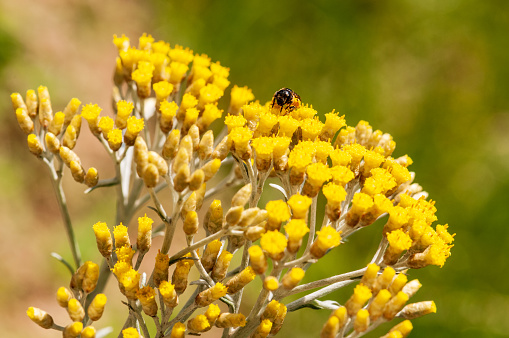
285	99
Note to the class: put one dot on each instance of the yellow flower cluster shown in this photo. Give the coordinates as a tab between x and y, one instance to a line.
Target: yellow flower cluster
83	282
165	100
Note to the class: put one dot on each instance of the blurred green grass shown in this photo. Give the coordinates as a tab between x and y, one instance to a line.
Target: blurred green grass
434	74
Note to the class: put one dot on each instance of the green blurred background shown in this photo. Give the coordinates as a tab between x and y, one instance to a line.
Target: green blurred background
433	73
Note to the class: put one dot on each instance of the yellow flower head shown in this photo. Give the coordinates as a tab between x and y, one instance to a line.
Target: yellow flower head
210	114
253	110
219	71
311	128
121	42
318	174
90	112
135	125
299	205
399	240
287	125
303	112
168	109
145	41
124	108
161	47
177	71
274	243
334	193
341	175
234	121
266	123
264	146
162	89
296	229
210	94
143	74
277	211
179	54
240	96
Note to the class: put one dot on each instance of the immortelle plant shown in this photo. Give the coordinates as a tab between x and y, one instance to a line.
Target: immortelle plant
164	100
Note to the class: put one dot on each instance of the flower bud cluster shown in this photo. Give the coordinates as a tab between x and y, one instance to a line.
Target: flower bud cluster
378	298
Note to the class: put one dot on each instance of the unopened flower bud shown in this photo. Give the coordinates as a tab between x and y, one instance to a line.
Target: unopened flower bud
377	305
361	294
270	283
210	254
75	310
91	177
70	110
161	268
221	266
40	317
242	196
67	156
150	175
180	181
398	283
196	180
237	282
402	330
230	320
180	275
419	309
77	171
159	162
70	137
233	215
331	328
254	233
24	121
31	103
88	332
103	238
383	280
292	278
206	146
210	295
91	276
370	275
412	287
214	217
63	296
263	330
34	145
222	149
73	330
210	168
361	322
52	143
395	305
56	123
257	259
96	308
191	223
